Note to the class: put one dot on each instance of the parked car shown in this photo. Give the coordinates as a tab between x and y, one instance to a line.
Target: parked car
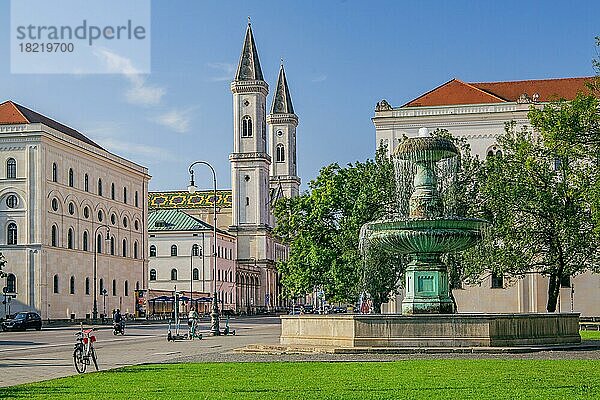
338	310
308	309
22	321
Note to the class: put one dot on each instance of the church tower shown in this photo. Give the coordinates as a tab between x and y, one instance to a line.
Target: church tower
282	122
249	160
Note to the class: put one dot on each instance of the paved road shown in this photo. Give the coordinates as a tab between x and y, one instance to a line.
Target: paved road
34	356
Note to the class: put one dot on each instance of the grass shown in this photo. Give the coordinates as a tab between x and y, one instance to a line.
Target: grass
590	335
414	379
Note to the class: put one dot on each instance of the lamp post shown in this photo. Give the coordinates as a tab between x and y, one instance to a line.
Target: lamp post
95	310
214	315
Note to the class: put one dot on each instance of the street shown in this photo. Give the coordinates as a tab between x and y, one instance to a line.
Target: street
34	356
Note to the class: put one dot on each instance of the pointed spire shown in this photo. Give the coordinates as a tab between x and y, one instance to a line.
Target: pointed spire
249	66
282	101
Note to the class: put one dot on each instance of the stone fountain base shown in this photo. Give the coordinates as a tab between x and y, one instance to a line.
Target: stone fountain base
444	330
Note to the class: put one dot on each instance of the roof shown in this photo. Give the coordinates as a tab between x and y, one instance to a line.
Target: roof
249	66
456	92
13	113
186	200
176	220
282	101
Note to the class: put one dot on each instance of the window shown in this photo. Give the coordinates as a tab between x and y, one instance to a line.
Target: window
71	177
112	245
114	287
54	172
113	219
70	238
86	212
126	288
101	286
280	153
136	224
54	204
86	183
124	195
174	250
152	251
11	168
497	280
99	187
137	285
112	191
71	208
218	275
136	199
54	239
124	250
100	215
55	284
11	201
72	285
152	274
99	244
125	222
11	283
247	126
195	250
11	237
173	274
87	286
195	275
565	281
135	249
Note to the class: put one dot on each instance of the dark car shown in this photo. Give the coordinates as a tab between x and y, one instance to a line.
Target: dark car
22	321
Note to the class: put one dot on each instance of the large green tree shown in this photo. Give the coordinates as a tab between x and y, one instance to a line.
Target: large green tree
539	195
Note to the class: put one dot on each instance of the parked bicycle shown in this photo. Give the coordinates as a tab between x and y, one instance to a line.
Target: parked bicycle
84	352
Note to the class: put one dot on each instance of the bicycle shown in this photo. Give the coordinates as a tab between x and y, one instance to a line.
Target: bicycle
84	350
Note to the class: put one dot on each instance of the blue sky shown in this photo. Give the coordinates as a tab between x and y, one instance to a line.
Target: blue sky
341	57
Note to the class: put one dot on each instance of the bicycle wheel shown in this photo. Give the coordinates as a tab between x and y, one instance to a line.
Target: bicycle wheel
78	360
93	354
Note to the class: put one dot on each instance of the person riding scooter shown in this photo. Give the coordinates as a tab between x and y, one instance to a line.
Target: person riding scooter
118	323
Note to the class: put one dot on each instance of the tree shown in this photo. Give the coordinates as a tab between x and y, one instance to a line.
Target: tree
539	195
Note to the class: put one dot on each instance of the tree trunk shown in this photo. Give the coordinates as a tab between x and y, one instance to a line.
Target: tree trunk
553	291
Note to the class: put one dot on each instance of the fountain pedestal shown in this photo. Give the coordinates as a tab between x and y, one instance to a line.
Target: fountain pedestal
427	287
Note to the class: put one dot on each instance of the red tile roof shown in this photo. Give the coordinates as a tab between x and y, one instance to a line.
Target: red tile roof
13	113
457	92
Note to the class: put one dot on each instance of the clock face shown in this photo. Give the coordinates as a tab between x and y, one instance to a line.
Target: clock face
279	133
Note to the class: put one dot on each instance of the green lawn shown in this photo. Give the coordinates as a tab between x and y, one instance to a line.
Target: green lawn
590	335
415	379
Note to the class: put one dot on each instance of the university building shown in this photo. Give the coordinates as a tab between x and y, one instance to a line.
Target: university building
478	112
263	169
67	204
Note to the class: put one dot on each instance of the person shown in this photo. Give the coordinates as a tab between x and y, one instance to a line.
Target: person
192	321
118	318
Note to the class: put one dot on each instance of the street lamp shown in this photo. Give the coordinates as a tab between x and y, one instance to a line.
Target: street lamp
95	310
214	315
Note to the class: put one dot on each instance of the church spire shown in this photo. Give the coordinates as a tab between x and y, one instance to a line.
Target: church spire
282	101
249	66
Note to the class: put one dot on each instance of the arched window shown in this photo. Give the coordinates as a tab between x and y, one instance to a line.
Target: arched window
54	241
112	191
86	183
173	274
195	250
70	238
55	284
11	168
280	153
126	288
124	195
99	244
11	237
87	286
54	172
112	245
247	126
152	274
195	275
137	285
152	251
72	285
174	250
85	241
11	283
114	287
136	199
135	249
99	187
71	177
12	201
101	286
124	250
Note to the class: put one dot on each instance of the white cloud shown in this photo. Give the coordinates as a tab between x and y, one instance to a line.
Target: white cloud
176	120
225	71
139	92
142	151
319	78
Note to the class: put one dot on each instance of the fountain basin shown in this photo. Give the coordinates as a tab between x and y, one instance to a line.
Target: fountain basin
439	235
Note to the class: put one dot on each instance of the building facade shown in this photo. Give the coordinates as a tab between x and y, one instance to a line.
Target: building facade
68	205
479	112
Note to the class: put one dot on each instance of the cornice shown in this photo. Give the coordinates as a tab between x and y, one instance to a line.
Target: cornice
250	156
250	87
282	119
451	110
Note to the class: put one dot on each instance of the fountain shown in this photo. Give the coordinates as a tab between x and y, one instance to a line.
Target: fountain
424	229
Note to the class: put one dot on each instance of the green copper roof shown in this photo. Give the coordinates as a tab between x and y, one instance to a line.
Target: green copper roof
175	220
249	66
185	200
282	101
